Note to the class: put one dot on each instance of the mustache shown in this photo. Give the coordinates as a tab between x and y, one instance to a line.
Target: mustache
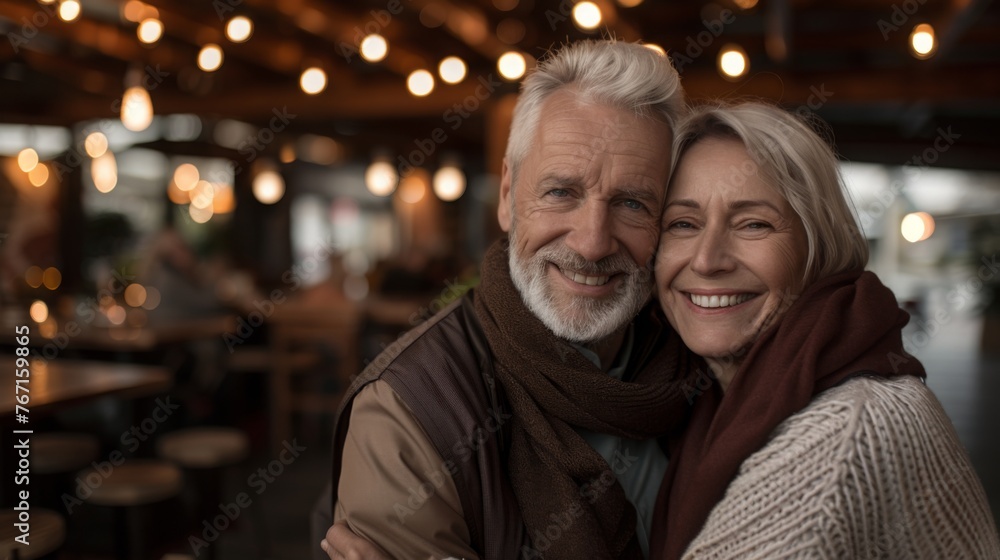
568	259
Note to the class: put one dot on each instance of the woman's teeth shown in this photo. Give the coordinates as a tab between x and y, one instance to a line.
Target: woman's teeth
720	301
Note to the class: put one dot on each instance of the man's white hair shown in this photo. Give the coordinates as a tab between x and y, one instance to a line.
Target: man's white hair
621	75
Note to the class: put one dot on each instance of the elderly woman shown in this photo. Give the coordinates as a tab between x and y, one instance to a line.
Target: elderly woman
816	436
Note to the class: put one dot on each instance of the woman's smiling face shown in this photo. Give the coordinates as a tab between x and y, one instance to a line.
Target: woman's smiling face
732	251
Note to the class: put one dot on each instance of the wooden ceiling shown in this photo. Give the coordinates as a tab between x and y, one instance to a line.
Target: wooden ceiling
846	59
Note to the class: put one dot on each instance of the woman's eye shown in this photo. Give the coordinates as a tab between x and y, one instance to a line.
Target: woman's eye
681	225
758	225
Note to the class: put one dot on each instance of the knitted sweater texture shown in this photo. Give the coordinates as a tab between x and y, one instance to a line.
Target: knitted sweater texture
870	469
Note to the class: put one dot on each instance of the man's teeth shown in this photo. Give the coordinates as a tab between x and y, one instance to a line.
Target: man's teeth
588	280
719	301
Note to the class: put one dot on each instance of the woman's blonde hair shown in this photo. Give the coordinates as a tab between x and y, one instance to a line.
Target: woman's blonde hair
792	158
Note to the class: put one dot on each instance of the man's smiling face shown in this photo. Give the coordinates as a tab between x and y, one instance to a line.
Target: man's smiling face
584	215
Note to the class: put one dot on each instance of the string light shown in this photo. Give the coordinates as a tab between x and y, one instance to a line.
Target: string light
27	159
917	226
452	70
420	83
449	183
210	57
239	29
39	175
104	172
380	178
587	16
374	47
150	30
137	109
733	62
313	80
923	42
512	65
95	144
69	10
268	187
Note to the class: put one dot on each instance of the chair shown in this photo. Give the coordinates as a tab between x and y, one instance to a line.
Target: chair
205	452
314	354
135	483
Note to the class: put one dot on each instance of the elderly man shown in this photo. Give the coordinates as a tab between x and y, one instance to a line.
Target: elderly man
522	420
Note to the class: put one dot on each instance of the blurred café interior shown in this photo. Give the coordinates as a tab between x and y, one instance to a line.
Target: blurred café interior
213	214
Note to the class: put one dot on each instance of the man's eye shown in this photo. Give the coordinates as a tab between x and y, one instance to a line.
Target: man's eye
559	193
633	204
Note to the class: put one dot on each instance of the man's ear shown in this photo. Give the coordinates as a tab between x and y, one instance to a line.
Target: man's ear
504	208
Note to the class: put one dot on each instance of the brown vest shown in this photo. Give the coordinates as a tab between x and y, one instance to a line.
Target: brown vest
443	371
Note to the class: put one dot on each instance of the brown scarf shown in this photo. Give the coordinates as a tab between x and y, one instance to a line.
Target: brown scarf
569	510
840	327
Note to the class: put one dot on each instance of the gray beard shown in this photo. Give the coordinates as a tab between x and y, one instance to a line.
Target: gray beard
578	318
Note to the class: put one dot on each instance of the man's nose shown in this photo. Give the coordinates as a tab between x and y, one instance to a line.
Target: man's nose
591	235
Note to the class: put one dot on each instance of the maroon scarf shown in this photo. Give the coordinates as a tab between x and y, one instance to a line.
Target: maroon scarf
840	327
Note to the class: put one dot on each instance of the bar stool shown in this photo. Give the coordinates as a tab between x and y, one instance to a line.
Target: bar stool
138	482
55	456
48	533
205	453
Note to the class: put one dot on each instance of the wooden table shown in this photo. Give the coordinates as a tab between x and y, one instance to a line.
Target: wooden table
61	383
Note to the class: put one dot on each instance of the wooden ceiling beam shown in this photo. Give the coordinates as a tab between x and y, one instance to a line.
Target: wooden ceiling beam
872	86
382	101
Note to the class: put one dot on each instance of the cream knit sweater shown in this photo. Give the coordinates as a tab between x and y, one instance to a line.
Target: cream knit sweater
870	469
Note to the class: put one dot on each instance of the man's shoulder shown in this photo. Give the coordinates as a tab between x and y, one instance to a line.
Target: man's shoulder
433	346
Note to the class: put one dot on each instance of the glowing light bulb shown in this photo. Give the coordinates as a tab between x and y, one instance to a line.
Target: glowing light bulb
374	47
27	159
69	10
137	109
917	226
449	183
210	57
239	29
95	144
733	62
380	178
587	15
922	41
150	30
512	65
313	80
104	172
420	83
268	187
452	70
